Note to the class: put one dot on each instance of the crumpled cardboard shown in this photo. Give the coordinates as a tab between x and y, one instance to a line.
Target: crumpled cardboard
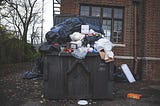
105	56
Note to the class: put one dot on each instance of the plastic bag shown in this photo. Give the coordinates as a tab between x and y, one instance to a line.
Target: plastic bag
103	43
80	53
76	36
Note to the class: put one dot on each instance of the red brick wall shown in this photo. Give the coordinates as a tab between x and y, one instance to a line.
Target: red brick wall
152	28
72	6
151	70
152	37
68	7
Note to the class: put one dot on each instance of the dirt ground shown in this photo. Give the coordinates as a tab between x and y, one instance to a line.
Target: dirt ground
16	91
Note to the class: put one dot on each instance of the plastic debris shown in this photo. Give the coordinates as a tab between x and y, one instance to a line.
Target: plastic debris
82	102
128	73
134	96
80	53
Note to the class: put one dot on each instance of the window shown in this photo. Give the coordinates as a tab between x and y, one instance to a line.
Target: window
118	13
112	20
84	10
107	12
107	26
96	11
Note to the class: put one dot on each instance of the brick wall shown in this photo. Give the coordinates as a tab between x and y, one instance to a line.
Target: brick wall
151	37
152	28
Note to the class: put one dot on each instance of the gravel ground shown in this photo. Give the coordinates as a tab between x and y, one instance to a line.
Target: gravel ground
16	91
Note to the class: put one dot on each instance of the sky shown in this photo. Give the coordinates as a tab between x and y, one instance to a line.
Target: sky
48	16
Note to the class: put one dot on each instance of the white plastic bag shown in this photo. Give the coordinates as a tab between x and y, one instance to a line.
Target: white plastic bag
76	36
103	43
80	53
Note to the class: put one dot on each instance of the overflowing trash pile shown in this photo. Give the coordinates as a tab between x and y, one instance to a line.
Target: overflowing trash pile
78	38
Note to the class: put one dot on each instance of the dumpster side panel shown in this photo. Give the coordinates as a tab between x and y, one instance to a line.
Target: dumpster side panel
77	78
78	83
102	84
53	78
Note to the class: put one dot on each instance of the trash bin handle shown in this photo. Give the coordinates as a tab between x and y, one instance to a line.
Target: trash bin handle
78	62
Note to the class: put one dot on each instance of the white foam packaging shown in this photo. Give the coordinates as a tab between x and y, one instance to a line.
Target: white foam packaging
128	73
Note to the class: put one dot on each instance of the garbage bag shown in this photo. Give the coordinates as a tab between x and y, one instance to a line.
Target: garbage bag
51	36
103	43
96	28
91	39
119	76
76	36
48	48
62	31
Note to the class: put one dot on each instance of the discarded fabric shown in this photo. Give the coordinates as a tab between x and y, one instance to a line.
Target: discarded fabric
30	75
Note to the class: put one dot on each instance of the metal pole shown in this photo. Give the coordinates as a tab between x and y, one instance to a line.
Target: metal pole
53	11
42	22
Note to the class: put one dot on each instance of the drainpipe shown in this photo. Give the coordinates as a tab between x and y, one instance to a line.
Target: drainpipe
135	36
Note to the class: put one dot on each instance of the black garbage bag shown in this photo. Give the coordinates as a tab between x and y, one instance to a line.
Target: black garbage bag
118	75
61	32
51	36
91	39
96	28
48	48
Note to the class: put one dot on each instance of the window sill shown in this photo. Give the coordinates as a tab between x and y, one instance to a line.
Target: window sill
119	45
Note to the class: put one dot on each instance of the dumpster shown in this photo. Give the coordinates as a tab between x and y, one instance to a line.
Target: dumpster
72	66
66	77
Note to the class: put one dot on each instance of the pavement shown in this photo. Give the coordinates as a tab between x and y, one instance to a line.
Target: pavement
16	91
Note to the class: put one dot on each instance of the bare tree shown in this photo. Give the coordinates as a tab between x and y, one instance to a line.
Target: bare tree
21	14
34	31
